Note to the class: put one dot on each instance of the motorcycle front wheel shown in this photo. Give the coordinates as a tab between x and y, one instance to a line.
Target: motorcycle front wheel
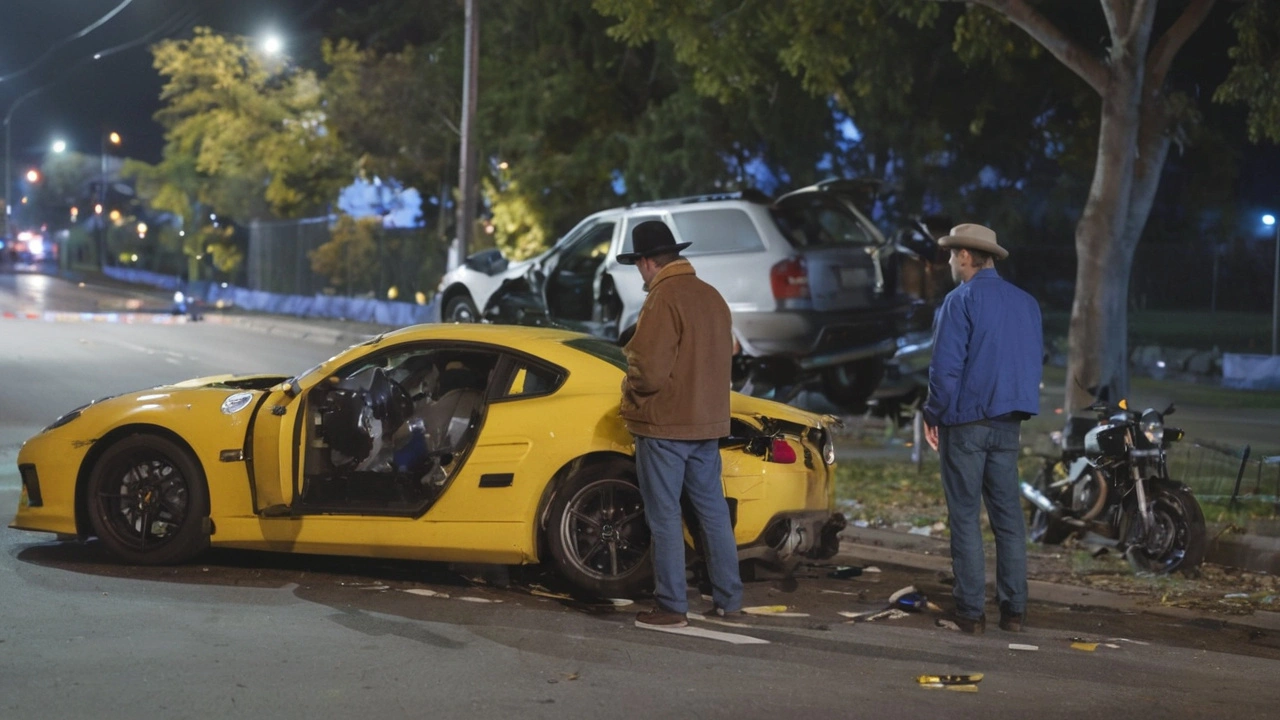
1176	540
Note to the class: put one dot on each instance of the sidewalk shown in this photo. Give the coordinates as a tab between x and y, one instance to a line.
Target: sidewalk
859	546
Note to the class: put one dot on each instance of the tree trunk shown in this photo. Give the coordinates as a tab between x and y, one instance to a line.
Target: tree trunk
1097	343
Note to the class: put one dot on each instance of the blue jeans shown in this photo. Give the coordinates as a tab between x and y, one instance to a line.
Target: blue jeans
980	462
665	468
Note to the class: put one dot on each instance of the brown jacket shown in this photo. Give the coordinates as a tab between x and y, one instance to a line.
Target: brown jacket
679	362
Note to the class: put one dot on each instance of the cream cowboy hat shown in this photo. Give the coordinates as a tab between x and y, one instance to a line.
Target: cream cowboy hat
974	237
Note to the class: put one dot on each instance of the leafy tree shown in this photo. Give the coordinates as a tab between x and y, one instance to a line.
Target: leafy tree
246	137
349	259
70	180
570	120
248	122
1122	52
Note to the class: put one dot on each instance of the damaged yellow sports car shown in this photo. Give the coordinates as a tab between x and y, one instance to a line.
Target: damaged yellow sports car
455	443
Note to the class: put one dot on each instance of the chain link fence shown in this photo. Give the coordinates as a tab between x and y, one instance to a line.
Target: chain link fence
1221	473
402	263
1165	276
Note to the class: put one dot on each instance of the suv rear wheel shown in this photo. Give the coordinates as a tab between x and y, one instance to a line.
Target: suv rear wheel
851	384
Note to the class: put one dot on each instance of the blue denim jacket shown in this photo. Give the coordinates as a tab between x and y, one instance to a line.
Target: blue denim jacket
988	353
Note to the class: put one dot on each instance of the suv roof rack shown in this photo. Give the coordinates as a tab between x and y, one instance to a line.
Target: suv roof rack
749	195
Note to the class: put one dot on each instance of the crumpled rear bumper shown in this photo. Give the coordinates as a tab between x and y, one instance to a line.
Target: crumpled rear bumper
790	537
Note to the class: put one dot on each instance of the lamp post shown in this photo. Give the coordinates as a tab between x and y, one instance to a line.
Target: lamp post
1270	220
8	169
113	138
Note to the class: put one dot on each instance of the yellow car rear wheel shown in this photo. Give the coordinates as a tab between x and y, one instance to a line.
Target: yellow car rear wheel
597	533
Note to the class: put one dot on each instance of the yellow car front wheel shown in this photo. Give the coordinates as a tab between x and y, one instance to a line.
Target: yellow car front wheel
147	501
597	534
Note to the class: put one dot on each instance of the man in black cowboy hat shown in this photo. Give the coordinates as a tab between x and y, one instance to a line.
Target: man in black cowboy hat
675	401
984	380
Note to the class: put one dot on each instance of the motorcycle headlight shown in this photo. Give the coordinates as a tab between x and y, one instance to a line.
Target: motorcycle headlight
179	297
1152	426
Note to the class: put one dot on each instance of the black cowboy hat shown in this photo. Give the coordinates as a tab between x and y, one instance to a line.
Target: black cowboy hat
649	238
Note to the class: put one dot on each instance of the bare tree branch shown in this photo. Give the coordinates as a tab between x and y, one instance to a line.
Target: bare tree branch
1068	52
1142	13
1173	39
1117	20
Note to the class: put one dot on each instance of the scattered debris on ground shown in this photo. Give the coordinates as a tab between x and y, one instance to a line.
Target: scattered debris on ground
1213	588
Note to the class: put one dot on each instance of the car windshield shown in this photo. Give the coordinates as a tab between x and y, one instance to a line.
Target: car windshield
820	220
602	349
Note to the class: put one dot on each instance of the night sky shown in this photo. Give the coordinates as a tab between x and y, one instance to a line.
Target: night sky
83	97
119	92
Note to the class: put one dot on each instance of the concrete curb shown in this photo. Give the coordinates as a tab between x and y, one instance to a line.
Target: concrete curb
867	545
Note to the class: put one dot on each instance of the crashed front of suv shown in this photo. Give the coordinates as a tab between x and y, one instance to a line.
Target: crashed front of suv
813	285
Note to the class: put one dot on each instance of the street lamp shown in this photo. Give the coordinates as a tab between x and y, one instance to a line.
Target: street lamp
1270	220
113	138
272	44
59	146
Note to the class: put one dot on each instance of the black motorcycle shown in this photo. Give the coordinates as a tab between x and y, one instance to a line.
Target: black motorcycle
1110	486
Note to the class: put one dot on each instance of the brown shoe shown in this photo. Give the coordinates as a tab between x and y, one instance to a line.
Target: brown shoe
662	618
1010	621
966	624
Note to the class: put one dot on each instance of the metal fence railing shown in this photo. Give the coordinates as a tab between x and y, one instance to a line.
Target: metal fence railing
278	260
1219	472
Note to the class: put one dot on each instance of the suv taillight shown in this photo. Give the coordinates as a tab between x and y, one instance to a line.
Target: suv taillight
790	279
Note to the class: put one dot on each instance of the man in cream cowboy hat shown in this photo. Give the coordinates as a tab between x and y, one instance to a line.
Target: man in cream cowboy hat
984	380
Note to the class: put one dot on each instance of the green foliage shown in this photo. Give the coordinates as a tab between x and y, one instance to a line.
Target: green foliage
246	133
887	492
1255	78
349	259
69	178
395	113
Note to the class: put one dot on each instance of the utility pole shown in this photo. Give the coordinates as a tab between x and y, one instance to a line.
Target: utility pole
467	154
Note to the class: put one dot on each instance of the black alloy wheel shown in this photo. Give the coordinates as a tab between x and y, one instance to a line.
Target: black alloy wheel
597	533
147	501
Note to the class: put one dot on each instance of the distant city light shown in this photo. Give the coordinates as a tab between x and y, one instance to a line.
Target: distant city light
33	175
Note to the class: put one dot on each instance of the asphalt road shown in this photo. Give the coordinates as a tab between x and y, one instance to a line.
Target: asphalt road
241	634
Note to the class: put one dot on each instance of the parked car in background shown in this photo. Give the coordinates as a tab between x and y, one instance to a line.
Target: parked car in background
814	287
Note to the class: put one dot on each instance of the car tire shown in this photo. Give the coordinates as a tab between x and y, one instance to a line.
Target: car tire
597	534
148	501
850	385
460	309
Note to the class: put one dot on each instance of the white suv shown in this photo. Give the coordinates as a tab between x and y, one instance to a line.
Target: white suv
812	284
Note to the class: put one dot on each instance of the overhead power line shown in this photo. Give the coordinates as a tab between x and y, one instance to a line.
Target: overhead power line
74	36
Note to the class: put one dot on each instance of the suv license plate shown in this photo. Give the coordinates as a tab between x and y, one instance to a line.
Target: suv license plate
853	277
